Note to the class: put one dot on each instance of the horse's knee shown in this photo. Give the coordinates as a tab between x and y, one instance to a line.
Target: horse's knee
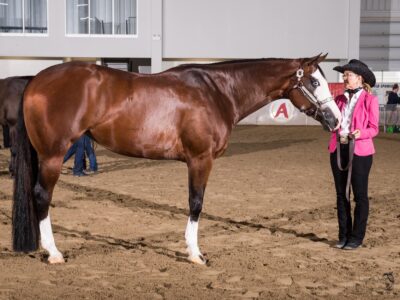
196	205
42	199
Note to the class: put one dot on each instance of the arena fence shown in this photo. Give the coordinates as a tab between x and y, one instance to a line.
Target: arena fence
389	117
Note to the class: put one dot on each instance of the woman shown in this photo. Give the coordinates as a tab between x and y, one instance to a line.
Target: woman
352	146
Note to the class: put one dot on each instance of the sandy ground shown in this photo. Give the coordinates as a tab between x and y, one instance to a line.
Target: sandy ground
267	228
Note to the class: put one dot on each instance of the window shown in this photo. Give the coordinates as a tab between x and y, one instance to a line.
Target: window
23	16
102	17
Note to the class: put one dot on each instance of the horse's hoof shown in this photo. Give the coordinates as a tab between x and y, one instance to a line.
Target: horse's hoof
198	259
56	260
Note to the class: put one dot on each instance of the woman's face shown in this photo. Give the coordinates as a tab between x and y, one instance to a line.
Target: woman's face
351	80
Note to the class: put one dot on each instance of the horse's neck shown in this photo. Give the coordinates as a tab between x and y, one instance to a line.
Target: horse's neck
253	85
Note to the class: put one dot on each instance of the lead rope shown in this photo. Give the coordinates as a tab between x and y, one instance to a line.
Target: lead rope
349	166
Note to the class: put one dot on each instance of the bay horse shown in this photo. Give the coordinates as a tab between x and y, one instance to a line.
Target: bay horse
185	113
11	91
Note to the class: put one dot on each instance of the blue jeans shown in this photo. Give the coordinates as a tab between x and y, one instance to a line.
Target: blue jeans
82	145
90	153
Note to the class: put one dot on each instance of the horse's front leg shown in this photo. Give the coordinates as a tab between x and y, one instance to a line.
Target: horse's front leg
199	169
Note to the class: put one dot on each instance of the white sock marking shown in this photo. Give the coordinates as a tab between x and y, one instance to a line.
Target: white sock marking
47	239
191	238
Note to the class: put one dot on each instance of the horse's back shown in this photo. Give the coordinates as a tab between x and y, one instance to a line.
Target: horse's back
123	114
156	116
74	75
70	89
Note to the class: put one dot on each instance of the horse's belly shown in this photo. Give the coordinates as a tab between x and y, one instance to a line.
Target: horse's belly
156	145
141	142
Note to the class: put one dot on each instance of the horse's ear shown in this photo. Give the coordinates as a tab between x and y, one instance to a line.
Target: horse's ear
312	61
321	58
310	64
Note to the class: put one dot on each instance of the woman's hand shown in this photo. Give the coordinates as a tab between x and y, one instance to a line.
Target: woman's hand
356	134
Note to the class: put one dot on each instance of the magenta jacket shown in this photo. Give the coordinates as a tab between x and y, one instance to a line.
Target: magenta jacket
365	118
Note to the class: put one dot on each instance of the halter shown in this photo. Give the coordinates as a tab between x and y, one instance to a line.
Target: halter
300	86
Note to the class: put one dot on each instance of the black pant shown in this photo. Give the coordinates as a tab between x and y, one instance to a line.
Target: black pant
353	231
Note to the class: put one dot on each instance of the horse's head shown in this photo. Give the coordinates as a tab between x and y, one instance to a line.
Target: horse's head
310	93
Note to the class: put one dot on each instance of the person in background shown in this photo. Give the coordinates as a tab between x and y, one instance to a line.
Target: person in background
391	108
79	148
360	124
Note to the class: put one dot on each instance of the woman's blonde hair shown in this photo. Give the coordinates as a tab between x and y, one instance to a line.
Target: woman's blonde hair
367	87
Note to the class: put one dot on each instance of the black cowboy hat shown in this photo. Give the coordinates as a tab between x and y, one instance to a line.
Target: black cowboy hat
358	67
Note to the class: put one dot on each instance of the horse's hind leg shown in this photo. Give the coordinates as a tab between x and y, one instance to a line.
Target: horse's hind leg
199	169
48	175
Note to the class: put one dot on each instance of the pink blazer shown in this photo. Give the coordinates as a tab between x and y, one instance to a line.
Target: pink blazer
365	118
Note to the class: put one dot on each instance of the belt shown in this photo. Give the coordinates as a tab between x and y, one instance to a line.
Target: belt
344	140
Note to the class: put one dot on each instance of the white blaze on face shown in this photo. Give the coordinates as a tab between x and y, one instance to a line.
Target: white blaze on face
322	92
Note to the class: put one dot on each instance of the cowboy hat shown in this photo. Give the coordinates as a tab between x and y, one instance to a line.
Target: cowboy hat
358	67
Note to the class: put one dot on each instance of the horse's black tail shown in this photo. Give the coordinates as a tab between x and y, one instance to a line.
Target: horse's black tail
25	228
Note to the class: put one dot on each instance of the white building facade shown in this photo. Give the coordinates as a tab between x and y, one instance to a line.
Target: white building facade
35	34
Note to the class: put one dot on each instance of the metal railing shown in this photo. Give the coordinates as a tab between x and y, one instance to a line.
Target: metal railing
389	116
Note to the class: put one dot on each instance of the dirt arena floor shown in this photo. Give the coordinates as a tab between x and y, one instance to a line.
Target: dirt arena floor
268	227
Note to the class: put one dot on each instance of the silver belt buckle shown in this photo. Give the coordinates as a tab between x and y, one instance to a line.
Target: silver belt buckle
344	140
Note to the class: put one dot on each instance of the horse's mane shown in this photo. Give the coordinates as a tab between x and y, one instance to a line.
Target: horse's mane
237	62
227	62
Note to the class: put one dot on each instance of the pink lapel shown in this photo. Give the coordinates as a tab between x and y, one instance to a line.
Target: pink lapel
341	102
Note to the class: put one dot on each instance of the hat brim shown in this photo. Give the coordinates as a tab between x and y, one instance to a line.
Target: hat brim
366	73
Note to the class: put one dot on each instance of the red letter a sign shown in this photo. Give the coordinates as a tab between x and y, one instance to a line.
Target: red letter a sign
282	110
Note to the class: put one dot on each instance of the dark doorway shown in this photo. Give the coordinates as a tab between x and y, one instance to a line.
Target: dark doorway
128	64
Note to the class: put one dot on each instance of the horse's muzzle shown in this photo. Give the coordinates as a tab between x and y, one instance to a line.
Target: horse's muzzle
330	117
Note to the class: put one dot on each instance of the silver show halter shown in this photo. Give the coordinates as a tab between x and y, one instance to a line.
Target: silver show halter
300	86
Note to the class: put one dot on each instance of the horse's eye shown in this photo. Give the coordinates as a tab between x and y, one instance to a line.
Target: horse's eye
314	82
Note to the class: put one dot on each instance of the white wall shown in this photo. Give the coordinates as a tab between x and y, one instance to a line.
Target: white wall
260	28
22	67
209	29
